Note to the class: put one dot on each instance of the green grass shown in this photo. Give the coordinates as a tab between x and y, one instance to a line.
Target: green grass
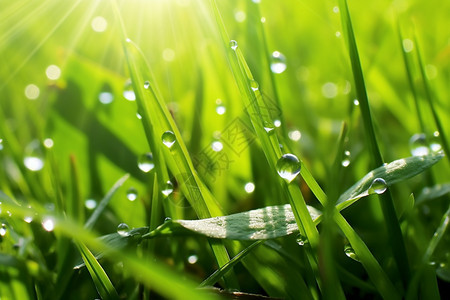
202	75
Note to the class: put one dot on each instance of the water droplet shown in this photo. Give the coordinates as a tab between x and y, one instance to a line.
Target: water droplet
217	146
336	9
277	123
408	45
220	109
233	45
346	161
301	240
254	85
168	189
263	20
378	186
48	224
256	1
288	167
105	97
192	259
146	84
418	145
128	92
138	116
268	126
132	194
53	72
1	144
356	102
350	252
249	187
28	219
338	34
32	91
435	145
48	143
295	135
123	229
90	204
240	16
168	139
278	62
34	159
145	162
167	219
3	230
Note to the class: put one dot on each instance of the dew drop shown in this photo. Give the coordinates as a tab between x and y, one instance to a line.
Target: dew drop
277	123
268	126
217	146
435	145
220	109
378	186
233	45
288	167
146	85
3	230
53	72
132	194
168	189
128	92
356	102
295	135
28	219
48	143
192	259
1	144
138	115
145	162
418	145
32	91
48	224
254	85
249	187
123	229
34	158
168	139
346	161
350	252
278	62
408	45
90	204
105	97
301	240
167	219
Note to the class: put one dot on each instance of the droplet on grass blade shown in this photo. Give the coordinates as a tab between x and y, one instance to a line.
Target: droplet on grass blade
233	44
378	186
146	84
268	126
3	230
34	157
301	240
350	252
123	229
48	224
278	62
254	85
145	162
288	167
168	189
168	139
90	204
418	145
128	92
249	187
132	194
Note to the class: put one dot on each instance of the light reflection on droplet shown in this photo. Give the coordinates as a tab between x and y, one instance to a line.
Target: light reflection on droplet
90	204
48	224
48	143
53	72
295	135
32	91
249	187
217	146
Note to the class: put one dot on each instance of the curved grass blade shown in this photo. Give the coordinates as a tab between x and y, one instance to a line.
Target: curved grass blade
430	193
102	283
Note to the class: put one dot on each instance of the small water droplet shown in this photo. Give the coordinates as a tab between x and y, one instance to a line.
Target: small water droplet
350	252
3	230
192	259
128	92
220	109
34	159
167	219
168	189
90	204
48	224
138	116
378	186
268	126
28	219
408	45
168	139
132	194
278	62
346	161
48	143
249	187
32	91
146	84
145	162
217	146
1	144
301	240
288	167
336	9
356	102
295	135
105	97
123	229
418	145
233	45
254	85
277	123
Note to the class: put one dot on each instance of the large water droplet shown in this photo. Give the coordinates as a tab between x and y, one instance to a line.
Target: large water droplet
277	123
145	162
254	85
123	229
418	145
105	97
146	85
378	186
128	92
168	189
34	157
268	126
350	252
278	62
249	187
90	204
132	194
168	139
288	167
233	44
48	224
3	230
301	240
